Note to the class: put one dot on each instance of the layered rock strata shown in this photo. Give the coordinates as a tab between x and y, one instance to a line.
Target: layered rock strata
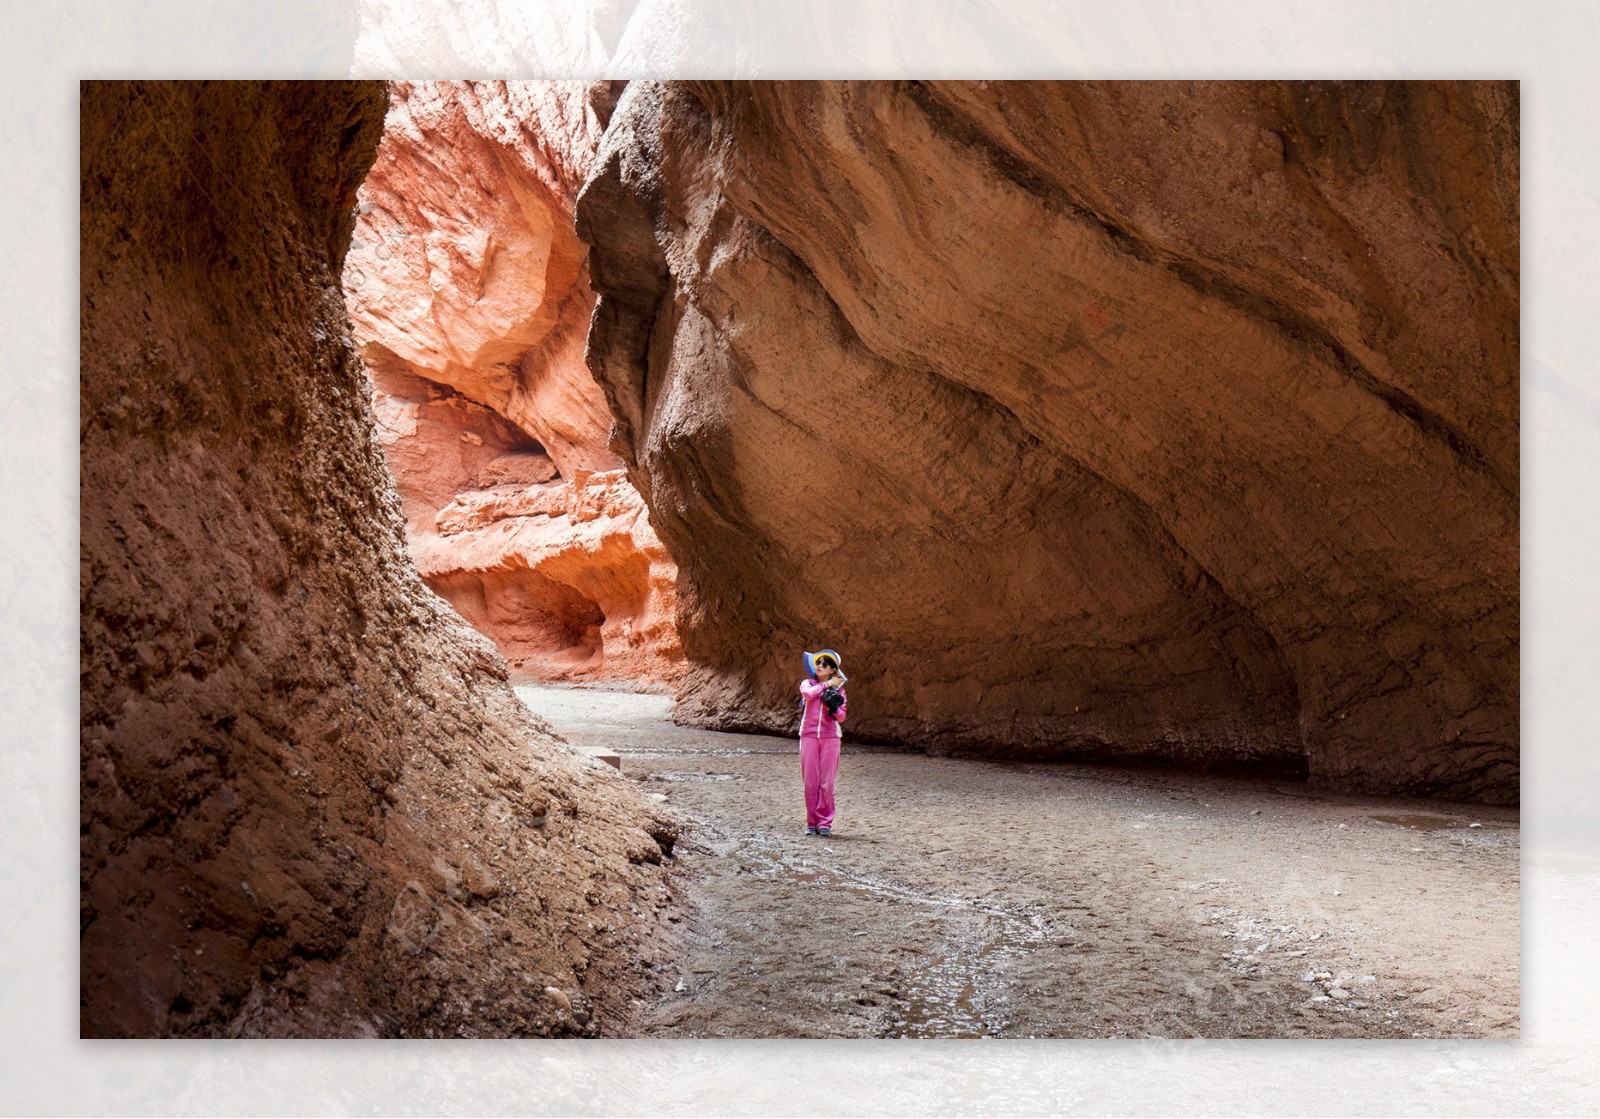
1138	420
311	805
469	294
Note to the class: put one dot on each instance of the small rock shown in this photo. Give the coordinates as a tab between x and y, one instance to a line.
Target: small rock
1255	812
1474	825
1344	825
1319	998
1337	893
1322	975
1416	850
1308	977
1338	993
682	986
559	997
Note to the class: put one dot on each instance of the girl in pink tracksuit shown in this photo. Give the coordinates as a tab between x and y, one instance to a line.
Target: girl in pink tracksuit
819	738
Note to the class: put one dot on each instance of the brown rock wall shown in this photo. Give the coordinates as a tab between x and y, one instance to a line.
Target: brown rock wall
1141	418
310	804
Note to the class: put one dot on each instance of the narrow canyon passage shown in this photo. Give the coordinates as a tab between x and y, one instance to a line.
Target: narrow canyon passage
963	898
1147	423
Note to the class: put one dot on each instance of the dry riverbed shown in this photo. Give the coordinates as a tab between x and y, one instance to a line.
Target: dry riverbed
962	898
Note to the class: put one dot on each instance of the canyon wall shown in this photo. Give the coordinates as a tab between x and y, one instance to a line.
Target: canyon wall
469	297
310	803
1131	420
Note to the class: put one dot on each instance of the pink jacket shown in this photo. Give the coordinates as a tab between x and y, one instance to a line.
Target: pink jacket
814	717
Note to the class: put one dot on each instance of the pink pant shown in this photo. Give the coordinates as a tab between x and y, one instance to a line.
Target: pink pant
819	765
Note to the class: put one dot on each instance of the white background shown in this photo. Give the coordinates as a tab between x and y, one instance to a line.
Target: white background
1550	46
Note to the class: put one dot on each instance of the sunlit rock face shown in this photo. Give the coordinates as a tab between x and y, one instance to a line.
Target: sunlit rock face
1173	420
310	803
470	299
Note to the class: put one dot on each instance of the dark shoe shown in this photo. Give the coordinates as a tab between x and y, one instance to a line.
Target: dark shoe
811	831
824	831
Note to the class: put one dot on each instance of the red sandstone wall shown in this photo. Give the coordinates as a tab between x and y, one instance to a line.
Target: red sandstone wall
1134	419
469	294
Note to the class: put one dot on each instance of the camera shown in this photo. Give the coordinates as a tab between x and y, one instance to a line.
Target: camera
832	699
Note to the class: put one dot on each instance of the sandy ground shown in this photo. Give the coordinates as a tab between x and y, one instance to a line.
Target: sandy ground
961	898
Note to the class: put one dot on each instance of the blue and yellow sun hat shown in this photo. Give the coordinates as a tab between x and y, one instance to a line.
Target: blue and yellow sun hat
811	663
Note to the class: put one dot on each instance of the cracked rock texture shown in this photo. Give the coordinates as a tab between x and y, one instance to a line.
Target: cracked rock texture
1145	419
310	803
469	296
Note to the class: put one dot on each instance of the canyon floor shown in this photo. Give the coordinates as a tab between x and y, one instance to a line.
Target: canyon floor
962	898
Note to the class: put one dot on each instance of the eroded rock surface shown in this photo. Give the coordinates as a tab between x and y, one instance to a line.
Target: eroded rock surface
1132	419
310	803
469	295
